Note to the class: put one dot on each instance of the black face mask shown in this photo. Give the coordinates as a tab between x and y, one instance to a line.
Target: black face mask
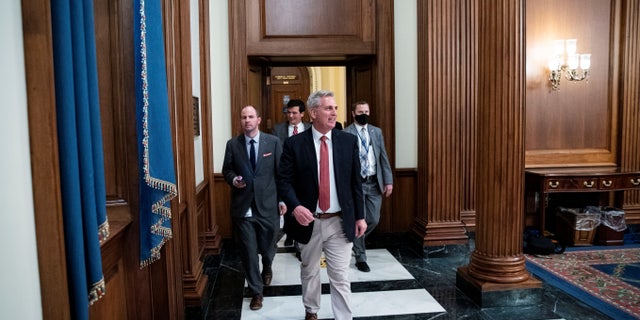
362	119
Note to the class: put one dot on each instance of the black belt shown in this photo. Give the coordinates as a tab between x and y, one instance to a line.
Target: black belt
327	215
369	179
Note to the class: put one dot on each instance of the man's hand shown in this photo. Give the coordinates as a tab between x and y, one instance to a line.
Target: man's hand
361	227
238	182
388	189
302	215
282	207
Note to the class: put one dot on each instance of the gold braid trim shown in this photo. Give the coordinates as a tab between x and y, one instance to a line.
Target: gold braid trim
103	232
97	291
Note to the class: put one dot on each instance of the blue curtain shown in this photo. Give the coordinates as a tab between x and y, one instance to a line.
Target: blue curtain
80	150
155	151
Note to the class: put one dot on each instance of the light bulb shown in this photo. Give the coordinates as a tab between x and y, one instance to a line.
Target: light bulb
571	45
585	61
572	61
558	47
554	63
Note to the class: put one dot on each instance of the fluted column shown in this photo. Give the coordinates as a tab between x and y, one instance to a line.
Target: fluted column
498	263
447	100
630	106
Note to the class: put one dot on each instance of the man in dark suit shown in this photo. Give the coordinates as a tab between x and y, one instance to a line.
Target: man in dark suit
250	166
377	177
294	123
319	180
293	126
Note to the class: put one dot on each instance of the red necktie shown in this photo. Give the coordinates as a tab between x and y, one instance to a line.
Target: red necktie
295	130
323	196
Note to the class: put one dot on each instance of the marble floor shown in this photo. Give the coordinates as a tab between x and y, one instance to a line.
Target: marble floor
401	285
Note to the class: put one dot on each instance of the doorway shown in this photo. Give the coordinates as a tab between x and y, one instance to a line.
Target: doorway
285	83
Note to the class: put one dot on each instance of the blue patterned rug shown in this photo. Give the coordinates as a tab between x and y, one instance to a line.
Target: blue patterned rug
608	280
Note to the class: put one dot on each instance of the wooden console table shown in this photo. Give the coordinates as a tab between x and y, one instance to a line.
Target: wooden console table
540	183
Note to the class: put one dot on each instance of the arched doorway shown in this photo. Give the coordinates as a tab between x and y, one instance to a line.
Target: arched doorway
287	83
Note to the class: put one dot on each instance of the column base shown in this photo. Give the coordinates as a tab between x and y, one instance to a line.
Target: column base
490	294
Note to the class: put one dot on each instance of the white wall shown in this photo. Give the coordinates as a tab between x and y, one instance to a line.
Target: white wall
195	85
19	279
220	75
406	77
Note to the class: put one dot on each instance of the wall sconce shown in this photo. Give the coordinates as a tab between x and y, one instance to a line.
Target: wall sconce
565	60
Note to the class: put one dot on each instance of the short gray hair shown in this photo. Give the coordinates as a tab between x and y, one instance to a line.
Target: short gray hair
314	99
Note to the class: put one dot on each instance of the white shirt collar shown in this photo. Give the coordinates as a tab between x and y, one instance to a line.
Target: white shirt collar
317	134
256	138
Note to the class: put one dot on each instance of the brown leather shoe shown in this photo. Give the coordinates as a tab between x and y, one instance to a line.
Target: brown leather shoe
310	316
256	302
267	276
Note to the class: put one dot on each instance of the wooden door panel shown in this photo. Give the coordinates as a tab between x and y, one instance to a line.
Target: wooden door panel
289	82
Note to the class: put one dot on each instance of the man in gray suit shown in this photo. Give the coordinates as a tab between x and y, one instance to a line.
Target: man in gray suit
377	177
285	129
250	166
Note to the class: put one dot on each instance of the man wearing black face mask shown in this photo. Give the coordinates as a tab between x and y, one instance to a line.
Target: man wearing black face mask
377	177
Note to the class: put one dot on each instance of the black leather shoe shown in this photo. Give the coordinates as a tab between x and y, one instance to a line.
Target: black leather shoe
267	276
363	266
310	316
256	302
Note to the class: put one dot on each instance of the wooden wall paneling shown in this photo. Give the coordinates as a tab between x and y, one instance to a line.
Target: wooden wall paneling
383	106
254	96
114	96
212	239
468	118
445	47
106	308
630	102
174	252
577	125
310	28
405	192
47	204
112	305
203	208
238	63
186	256
222	205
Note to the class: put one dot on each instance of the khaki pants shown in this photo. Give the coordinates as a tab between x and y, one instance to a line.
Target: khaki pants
328	236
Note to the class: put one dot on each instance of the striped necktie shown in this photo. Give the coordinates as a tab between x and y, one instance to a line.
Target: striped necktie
364	152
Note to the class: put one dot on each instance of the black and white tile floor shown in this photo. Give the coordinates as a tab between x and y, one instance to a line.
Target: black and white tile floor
389	289
401	285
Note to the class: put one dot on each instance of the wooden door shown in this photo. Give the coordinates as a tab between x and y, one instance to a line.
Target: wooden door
285	83
360	87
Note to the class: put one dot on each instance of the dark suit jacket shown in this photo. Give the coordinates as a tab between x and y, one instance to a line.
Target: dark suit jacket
383	167
281	130
261	184
298	181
